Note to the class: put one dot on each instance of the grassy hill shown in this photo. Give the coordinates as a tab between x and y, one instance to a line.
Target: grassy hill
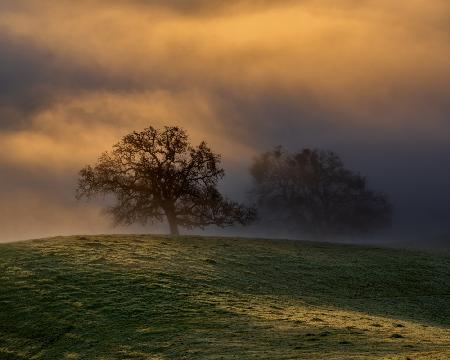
153	297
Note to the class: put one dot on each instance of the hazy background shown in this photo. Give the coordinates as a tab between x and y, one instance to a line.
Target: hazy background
369	79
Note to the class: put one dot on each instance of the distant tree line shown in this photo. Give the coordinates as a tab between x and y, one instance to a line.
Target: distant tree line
156	175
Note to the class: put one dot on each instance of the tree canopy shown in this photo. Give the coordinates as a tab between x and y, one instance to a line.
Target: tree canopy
313	191
156	175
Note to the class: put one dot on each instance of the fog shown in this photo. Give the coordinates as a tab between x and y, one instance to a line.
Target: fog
367	79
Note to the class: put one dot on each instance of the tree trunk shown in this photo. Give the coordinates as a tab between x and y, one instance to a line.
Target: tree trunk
173	224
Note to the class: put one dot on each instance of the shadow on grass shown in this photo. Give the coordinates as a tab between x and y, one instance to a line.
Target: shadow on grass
197	298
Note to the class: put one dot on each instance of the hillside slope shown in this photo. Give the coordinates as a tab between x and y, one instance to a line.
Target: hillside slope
152	297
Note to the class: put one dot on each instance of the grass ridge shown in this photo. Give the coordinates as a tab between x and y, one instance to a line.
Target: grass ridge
156	297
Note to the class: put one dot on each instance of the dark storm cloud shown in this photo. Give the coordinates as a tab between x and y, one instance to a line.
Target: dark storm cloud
209	7
33	77
22	80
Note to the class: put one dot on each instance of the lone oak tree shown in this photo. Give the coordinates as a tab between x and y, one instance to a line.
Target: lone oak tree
157	174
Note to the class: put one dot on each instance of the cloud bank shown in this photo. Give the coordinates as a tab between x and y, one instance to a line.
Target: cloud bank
369	79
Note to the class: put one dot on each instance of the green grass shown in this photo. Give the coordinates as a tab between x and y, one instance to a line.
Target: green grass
153	297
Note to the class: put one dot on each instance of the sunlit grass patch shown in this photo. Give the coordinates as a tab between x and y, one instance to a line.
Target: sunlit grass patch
153	297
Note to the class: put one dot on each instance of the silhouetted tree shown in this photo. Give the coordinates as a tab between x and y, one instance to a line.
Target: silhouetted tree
157	174
313	190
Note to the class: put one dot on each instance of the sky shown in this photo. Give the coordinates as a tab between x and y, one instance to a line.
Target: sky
369	79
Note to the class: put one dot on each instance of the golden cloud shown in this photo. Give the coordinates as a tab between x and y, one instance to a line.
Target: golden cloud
244	76
75	131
